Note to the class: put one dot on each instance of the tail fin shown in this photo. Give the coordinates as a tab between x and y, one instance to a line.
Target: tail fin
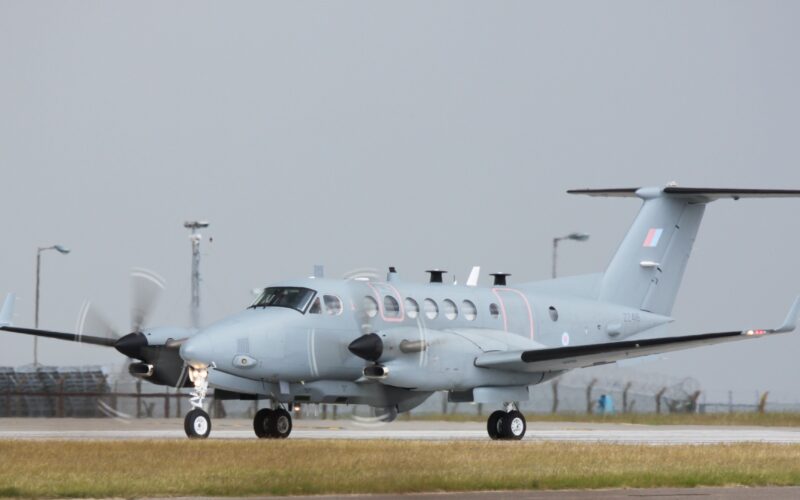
7	312
647	269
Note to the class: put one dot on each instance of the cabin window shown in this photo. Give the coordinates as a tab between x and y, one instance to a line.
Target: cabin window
431	309
494	311
553	313
370	307
412	308
316	307
468	310
450	310
333	305
391	308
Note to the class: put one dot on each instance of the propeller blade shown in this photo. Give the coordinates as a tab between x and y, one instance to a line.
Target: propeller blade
146	287
91	320
363	274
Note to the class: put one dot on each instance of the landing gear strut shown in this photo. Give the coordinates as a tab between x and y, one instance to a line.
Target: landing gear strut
273	424
508	425
197	423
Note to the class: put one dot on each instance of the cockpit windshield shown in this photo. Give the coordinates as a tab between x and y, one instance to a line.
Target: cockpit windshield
296	298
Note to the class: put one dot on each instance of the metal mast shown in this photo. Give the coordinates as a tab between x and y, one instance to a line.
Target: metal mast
195	238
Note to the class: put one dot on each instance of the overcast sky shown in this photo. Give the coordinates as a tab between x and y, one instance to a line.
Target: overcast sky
413	134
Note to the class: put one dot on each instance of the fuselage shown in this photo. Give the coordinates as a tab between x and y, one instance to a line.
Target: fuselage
304	339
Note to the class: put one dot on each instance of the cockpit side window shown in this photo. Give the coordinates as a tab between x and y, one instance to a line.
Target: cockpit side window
316	308
297	298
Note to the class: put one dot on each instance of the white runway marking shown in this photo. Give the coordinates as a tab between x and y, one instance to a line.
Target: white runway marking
634	435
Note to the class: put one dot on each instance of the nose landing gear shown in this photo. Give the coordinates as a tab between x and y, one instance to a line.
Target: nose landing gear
197	423
508	425
272	424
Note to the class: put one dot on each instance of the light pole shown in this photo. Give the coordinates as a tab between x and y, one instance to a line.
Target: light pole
60	249
570	236
195	237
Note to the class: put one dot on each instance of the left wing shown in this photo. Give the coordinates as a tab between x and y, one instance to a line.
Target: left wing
581	356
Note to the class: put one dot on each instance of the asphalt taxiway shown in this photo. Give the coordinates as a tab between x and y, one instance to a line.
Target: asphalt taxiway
32	428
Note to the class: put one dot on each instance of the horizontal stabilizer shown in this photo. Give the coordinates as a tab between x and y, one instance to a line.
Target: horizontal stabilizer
581	356
707	194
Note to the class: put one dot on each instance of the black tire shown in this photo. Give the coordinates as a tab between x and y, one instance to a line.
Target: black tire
261	422
514	425
280	425
197	424
494	425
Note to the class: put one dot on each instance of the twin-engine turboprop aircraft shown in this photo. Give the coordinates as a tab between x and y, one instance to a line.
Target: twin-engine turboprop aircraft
391	344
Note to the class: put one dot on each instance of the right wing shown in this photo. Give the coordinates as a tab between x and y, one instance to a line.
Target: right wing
581	356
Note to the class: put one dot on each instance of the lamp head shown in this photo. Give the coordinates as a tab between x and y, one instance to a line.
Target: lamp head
578	236
61	249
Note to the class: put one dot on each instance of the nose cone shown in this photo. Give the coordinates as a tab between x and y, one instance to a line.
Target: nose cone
369	347
198	351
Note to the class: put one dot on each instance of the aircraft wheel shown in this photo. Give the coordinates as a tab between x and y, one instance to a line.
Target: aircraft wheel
494	426
514	425
261	422
197	424
280	425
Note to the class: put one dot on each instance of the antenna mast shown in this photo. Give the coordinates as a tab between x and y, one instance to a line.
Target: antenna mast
195	238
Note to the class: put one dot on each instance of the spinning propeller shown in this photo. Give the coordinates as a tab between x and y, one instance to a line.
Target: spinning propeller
146	288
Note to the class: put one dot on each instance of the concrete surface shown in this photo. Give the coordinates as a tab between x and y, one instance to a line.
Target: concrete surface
19	428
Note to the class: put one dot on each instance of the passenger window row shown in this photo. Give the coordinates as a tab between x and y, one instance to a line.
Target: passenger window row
391	308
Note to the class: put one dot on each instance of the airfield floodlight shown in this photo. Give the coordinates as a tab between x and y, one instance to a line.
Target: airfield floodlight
62	250
195	238
196	224
571	236
578	236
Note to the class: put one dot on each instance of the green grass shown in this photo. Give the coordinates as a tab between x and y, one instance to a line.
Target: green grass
241	468
756	419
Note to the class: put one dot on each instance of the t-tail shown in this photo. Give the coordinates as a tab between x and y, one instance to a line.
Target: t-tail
647	269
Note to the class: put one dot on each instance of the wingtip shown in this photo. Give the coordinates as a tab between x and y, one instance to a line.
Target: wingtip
790	323
7	312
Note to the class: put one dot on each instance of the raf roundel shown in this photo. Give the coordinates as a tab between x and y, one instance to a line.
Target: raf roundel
565	339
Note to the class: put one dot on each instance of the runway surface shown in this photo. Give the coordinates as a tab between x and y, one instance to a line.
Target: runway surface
13	428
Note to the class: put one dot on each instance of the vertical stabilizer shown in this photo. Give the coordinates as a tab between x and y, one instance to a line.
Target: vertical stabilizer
647	269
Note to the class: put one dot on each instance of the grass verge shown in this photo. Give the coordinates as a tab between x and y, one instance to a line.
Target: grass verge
241	468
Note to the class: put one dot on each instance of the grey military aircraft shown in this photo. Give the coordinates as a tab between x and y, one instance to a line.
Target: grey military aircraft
391	343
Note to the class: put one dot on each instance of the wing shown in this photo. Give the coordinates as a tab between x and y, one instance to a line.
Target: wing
73	337
581	356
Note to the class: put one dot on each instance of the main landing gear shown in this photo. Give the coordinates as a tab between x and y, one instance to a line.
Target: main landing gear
197	423
507	424
273	424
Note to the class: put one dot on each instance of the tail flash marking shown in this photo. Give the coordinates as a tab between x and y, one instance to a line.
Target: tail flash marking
653	235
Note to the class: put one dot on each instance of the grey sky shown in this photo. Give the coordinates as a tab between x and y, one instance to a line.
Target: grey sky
415	134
